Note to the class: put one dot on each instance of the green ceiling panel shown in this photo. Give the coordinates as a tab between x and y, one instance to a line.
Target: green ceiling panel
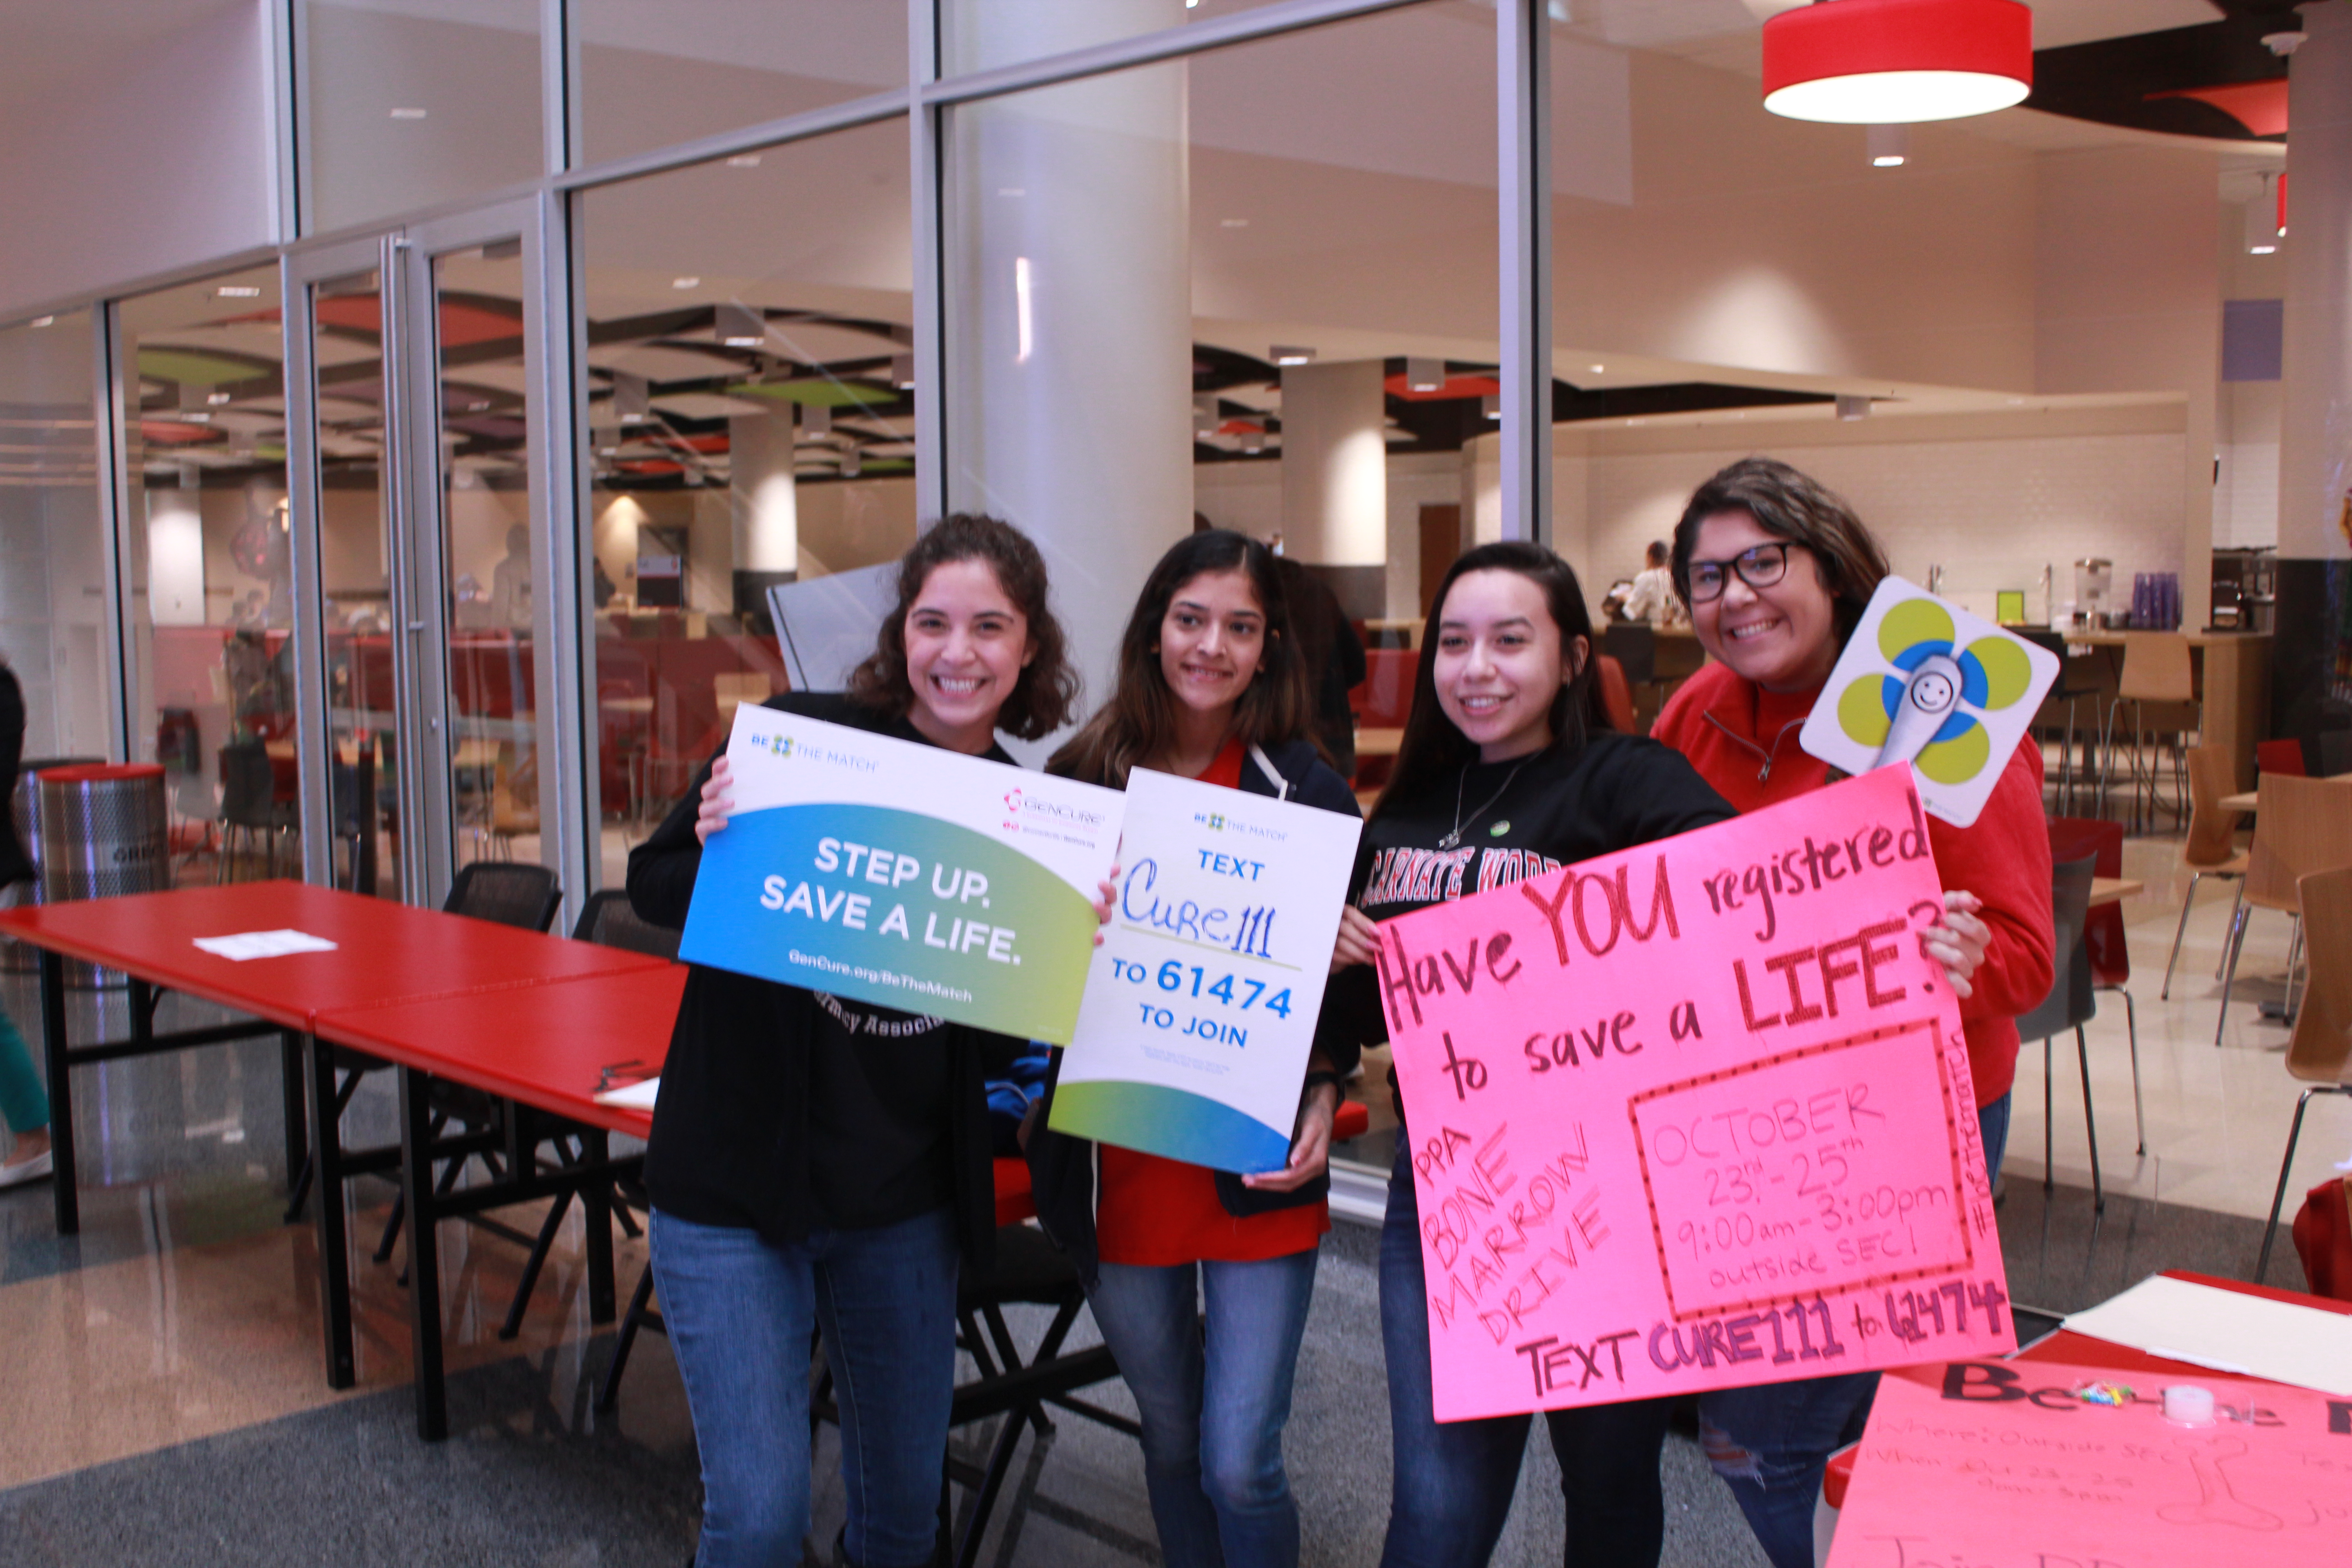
816	394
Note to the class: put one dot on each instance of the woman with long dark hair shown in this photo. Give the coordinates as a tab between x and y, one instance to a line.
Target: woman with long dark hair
1508	770
1211	685
1776	570
820	1162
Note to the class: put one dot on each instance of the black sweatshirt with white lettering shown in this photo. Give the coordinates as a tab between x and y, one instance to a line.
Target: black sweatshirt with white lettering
1539	813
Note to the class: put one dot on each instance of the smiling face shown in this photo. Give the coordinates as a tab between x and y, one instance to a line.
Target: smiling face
1211	639
1499	663
967	643
1783	637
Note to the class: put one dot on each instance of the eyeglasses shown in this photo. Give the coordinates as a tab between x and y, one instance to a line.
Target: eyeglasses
1760	566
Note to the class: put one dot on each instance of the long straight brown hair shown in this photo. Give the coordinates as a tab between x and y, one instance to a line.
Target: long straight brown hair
1431	749
1140	719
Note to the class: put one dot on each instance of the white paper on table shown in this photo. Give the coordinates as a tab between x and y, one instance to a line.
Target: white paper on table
638	1096
2227	1330
240	946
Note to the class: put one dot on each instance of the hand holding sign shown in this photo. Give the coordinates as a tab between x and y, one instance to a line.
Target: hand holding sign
1695	1116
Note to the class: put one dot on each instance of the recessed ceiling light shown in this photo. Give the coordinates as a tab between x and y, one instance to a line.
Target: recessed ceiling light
1234	222
216	398
744	161
608	451
1290	354
478	406
1598	368
408	114
45	320
686	282
238	291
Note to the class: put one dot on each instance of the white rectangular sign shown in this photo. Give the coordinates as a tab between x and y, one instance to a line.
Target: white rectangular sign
1200	1007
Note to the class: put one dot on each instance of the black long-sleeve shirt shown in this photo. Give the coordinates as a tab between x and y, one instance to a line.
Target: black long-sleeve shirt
785	1111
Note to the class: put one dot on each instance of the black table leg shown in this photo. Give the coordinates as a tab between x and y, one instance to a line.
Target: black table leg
292	1073
334	1242
424	1255
597	1213
61	1114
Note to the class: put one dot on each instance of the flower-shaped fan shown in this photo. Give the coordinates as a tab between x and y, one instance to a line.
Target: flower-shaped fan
1923	681
1923	715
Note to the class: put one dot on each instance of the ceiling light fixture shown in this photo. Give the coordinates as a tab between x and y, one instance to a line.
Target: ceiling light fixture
216	398
744	161
686	282
1849	406
1424	374
739	326
1491	406
1890	146
902	372
1232	223
1598	369
1894	62
1290	354
408	114
238	291
38	321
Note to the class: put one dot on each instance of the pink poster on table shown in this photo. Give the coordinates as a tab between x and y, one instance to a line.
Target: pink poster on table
1695	1116
2037	1465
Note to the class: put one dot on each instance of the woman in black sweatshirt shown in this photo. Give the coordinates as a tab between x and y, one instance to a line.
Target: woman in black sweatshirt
817	1162
1507	770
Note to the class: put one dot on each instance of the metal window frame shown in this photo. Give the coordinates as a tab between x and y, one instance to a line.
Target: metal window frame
555	336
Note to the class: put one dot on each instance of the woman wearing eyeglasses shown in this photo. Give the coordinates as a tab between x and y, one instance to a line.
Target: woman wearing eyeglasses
1777	570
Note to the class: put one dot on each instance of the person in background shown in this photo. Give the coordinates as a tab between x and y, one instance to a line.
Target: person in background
1212	687
1508	770
1334	657
818	1163
1652	597
23	1103
1776	570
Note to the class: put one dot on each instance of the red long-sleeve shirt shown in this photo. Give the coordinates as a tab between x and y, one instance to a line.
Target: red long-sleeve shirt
1743	740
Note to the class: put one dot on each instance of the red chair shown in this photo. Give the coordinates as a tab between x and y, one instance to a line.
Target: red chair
2279	757
1616	696
2070	839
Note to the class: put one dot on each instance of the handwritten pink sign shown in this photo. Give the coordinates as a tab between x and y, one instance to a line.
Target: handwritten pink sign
1993	1465
1695	1116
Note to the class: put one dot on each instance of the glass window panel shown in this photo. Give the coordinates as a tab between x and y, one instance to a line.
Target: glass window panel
654	72
410	103
52	551
752	421
482	389
980	35
1130	259
348	350
211	580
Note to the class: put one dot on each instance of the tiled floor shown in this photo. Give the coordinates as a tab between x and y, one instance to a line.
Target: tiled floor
164	1400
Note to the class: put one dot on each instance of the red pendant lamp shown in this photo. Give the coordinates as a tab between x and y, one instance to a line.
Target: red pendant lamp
1894	62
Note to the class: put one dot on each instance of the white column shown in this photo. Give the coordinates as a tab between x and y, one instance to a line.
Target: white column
2315	460
764	503
1070	326
1335	477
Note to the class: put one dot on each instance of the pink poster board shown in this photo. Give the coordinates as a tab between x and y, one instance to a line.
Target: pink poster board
1695	1116
1994	1465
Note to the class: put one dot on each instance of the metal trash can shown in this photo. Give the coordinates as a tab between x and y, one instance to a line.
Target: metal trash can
105	830
25	809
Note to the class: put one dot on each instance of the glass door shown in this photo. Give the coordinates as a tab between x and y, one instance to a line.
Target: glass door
471	556
343	461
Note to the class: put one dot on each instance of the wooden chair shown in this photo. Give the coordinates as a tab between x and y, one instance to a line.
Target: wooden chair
2069	1006
2320	1053
2158	675
2212	846
2301	825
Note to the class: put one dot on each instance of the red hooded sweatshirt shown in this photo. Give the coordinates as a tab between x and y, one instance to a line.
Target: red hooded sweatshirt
1743	740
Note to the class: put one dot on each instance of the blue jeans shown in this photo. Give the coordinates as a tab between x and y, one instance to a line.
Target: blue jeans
1452	1486
1213	1416
741	1315
1772	1442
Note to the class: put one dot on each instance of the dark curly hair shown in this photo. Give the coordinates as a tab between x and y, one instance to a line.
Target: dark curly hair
1048	687
1790	504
